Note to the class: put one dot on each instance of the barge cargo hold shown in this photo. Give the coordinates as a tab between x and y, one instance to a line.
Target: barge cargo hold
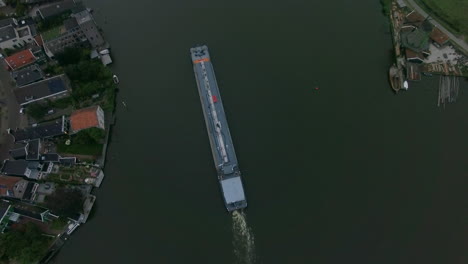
222	148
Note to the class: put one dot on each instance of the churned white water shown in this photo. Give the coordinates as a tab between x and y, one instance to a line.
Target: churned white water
243	239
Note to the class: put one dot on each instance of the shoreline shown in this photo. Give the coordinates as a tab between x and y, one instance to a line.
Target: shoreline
75	167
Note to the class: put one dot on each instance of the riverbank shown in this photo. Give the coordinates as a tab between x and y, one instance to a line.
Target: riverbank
422	47
57	101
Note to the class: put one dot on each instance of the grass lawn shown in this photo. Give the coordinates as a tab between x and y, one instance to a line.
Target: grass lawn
454	13
51	33
81	149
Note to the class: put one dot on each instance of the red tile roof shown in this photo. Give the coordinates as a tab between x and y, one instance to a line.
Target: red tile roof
438	36
20	59
84	118
7	183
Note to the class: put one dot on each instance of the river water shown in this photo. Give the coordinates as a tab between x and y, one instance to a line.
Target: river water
348	173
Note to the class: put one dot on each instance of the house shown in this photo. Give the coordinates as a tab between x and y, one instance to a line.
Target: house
88	26
28	151
17	187
50	129
20	59
51	89
16	211
23	168
19	151
87	118
414	56
55	9
24	209
14	35
438	37
414	19
67	35
33	149
27	75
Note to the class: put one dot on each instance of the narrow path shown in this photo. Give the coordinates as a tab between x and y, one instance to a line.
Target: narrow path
460	42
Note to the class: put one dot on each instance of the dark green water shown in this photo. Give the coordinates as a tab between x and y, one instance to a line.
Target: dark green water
350	173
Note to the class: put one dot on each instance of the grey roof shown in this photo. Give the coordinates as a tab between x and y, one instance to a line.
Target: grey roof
53	157
19	152
34	168
56	8
68	161
6	22
27	194
33	150
29	210
45	130
27	75
14	167
70	23
41	90
7	33
232	189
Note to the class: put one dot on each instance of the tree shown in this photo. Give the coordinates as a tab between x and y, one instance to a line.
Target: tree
36	111
65	202
96	133
20	9
24	246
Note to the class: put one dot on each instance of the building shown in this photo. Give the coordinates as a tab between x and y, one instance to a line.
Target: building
417	40
414	56
17	187
56	9
26	210
438	37
14	35
19	151
88	26
23	168
67	35
27	75
32	149
50	129
20	59
87	118
51	89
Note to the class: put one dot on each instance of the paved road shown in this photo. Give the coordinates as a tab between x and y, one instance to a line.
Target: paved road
460	42
10	118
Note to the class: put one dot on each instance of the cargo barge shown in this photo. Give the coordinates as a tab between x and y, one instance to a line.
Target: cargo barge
222	148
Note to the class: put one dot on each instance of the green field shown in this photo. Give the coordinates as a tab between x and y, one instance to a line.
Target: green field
453	13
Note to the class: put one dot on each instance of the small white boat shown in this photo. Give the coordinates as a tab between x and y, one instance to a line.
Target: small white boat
405	85
104	52
116	79
124	104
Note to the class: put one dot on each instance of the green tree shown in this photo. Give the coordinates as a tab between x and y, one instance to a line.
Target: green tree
24	246
96	134
20	9
37	111
65	202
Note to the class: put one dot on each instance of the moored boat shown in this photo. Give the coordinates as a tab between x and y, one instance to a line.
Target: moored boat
394	78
